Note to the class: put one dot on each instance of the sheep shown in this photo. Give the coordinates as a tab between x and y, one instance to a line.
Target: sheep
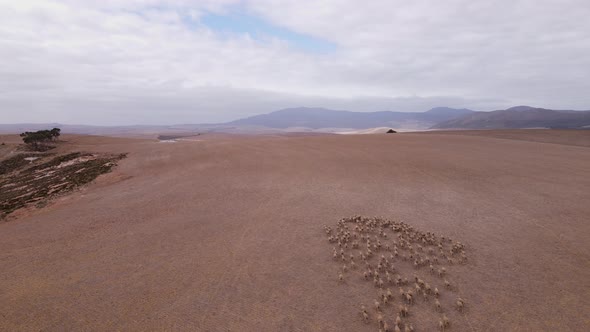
344	268
421	283
460	304
463	257
424	296
437	305
398	321
352	265
436	292
409	298
377	305
408	328
447	284
446	321
365	317
366	275
341	277
402	293
389	294
380	320
364	313
397	329
405	311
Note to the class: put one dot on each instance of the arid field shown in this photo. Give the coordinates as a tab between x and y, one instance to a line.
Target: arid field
226	233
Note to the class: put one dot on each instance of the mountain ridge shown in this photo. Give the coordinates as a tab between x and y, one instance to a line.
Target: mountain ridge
316	118
519	117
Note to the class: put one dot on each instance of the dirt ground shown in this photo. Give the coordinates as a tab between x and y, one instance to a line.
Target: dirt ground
226	233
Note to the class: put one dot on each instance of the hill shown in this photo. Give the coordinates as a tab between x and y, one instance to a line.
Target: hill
518	117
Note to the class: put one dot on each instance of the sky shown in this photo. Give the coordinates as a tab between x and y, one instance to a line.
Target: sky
117	62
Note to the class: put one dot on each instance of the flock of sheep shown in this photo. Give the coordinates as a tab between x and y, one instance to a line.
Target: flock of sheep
380	251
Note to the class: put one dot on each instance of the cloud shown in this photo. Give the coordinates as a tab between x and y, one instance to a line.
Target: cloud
156	61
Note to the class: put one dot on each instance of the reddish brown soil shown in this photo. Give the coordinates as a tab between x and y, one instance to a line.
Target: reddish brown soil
226	234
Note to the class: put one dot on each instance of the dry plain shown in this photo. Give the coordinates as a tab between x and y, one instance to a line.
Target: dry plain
225	233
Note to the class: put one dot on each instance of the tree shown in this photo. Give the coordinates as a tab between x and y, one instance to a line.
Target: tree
37	139
55	132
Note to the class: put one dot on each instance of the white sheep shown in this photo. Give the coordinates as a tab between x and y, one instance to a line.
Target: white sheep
364	313
447	284
460	304
405	311
380	320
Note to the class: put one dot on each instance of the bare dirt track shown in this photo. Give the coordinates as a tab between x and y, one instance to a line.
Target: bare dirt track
226	233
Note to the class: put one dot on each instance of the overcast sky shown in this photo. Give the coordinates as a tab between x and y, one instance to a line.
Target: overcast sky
165	62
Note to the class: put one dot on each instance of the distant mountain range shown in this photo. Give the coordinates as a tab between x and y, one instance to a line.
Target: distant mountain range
304	119
317	118
436	118
519	117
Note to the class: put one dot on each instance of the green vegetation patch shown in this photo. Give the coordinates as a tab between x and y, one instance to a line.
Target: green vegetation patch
18	161
23	182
